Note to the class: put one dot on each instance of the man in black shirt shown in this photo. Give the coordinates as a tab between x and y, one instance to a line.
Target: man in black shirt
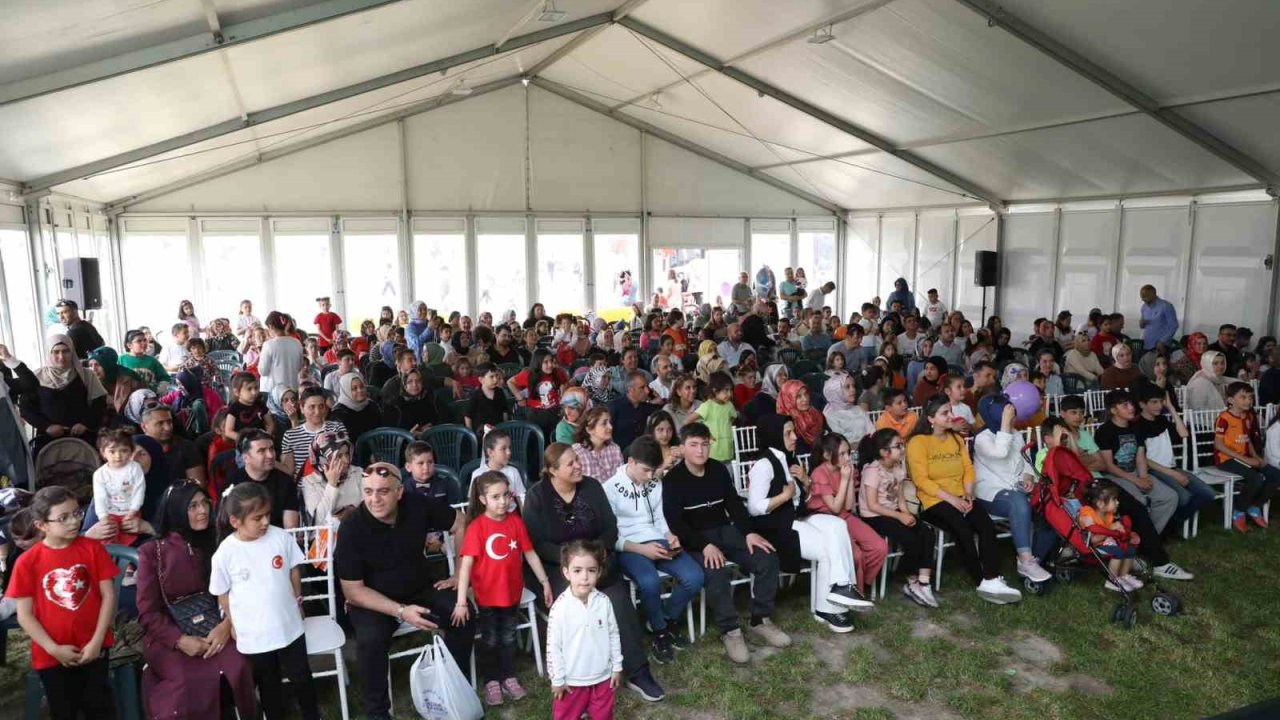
1122	447
704	510
386	577
631	412
259	453
82	333
1226	344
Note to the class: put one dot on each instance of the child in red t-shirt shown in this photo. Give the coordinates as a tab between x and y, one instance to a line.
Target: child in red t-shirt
66	600
491	561
327	323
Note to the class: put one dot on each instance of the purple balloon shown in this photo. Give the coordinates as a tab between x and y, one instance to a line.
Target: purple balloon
1025	398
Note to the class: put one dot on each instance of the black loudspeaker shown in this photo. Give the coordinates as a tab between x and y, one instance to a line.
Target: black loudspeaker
986	268
80	282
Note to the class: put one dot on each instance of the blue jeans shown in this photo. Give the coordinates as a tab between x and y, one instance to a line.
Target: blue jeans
1013	505
642	571
1190	498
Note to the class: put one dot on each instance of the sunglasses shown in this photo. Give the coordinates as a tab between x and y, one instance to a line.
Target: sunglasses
382	472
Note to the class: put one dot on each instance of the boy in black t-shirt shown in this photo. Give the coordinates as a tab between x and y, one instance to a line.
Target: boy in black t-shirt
488	406
1122	447
1158	431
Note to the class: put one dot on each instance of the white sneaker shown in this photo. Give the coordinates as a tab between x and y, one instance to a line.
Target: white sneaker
1170	571
1108	585
994	590
1031	570
1131	582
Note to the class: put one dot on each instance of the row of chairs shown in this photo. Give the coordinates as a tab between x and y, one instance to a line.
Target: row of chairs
455	446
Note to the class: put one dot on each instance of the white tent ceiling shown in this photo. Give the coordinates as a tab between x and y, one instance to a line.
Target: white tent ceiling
910	103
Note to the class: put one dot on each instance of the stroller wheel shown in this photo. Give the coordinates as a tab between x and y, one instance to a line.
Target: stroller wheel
1035	588
1118	612
1063	574
1166	604
1130	617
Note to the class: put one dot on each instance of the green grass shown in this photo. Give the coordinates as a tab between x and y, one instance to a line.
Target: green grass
905	662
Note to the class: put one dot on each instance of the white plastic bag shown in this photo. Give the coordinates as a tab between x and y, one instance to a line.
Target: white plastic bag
440	690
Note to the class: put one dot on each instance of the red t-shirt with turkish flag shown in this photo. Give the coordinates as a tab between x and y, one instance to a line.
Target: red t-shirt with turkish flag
498	547
63	587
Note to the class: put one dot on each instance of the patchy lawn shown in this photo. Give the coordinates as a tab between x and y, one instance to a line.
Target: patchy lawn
1046	658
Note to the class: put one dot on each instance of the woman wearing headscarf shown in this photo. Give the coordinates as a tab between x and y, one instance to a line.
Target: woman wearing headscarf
1122	373
1004	481
902	294
844	415
70	400
709	362
777	500
183	675
1207	388
605	345
414	408
766	401
139	401
794	402
118	380
417	331
331	492
357	413
1187	364
283	403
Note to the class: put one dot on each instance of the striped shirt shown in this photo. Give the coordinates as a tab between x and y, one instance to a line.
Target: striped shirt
298	441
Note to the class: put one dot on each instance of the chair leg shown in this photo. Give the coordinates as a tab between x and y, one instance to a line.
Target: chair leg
939	550
342	681
533	636
1228	502
702	611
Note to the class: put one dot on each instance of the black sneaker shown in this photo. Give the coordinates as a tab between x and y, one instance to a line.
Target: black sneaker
642	682
836	622
663	652
850	597
677	639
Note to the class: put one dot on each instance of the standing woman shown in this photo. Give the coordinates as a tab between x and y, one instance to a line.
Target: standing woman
357	413
184	675
943	475
281	355
777	500
187	314
70	401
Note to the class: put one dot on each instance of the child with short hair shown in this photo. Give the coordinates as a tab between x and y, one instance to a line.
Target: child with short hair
16	538
248	409
488	407
257	581
462	375
962	419
496	449
1236	440
490	561
718	414
66	600
420	460
1157	431
584	647
747	387
1110	535
175	353
119	486
897	416
872	398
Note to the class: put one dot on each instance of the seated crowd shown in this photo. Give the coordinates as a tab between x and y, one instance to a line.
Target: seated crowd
869	437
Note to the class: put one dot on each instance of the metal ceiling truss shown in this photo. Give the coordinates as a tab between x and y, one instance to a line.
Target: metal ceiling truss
970	188
118	206
688	145
1101	77
217	38
560	53
280	111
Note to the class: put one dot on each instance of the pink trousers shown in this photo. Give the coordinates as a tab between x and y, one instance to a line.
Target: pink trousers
594	700
869	549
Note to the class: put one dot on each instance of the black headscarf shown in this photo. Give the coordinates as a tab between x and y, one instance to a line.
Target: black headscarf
172	517
769	430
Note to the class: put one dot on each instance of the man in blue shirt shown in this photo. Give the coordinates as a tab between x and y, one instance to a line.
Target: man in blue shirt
1159	320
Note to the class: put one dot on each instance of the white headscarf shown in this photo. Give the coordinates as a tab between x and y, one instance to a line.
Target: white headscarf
56	378
344	392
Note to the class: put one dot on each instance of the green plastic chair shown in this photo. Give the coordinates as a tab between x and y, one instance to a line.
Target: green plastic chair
454	445
383	445
527	445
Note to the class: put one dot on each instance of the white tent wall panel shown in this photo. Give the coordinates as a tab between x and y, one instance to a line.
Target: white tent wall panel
1027	267
897	252
353	173
977	231
1155	243
935	255
1229	279
862	242
1086	262
581	160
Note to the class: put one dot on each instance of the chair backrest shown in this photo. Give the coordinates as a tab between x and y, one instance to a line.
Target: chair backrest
1073	384
510	370
739	470
1095	402
123	556
1200	423
318	543
744	442
454	445
527	444
382	445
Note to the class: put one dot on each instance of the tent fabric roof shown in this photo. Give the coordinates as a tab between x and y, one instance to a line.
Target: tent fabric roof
908	103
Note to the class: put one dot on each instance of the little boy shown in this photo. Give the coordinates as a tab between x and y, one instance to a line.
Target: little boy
961	413
119	486
488	406
1235	438
747	387
326	322
346	364
420	459
175	353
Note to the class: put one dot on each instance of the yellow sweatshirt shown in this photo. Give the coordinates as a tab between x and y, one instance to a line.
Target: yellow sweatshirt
938	465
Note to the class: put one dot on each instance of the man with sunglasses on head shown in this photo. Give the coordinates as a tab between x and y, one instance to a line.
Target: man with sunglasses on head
381	561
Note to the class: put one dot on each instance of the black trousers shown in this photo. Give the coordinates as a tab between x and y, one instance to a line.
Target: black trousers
497	629
916	541
762	566
269	669
82	691
1152	545
981	559
634	657
373	643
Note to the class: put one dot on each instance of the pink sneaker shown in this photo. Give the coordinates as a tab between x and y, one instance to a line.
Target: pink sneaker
1131	583
492	693
512	687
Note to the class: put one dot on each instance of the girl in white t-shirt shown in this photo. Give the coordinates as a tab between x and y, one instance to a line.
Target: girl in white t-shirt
259	586
497	458
119	486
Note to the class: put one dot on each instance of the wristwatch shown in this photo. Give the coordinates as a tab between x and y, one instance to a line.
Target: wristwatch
400	613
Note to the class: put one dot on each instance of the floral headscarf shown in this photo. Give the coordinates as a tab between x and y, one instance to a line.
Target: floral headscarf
326	446
769	386
809	423
708	365
706	347
139	401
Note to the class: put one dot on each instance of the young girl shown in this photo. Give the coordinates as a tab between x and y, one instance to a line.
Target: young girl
835	364
259	587
1110	534
245	321
187	314
663	429
497	458
872	397
490	560
883	505
684	400
584	648
747	387
463	375
833	490
66	601
118	486
247	408
251	348
718	414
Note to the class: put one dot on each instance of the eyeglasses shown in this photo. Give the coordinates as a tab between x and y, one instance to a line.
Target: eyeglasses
74	516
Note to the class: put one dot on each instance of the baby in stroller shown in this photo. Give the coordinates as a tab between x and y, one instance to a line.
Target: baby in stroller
1110	535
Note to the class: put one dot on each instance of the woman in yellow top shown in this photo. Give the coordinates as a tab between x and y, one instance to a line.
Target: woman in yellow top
939	465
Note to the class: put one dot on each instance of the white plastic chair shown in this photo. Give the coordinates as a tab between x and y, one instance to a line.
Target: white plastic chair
1200	423
324	635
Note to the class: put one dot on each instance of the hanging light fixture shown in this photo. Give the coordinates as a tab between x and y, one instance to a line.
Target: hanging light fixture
821	36
549	13
460	88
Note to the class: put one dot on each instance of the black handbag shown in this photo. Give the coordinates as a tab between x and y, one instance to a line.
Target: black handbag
196	614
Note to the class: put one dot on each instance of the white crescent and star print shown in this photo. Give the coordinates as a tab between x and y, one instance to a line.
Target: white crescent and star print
489	544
